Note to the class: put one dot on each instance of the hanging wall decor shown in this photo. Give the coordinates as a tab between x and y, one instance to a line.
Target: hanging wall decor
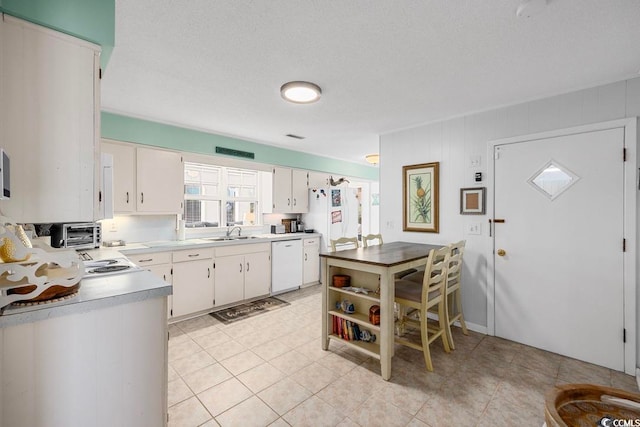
420	197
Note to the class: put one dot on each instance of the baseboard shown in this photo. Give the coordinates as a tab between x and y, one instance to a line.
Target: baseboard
471	326
638	377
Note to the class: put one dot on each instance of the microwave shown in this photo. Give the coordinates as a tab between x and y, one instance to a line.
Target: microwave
78	235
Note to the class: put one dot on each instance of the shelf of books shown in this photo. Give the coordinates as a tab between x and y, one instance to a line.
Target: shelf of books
348	311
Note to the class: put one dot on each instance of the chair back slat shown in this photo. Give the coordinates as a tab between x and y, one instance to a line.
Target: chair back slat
370	238
435	273
344	243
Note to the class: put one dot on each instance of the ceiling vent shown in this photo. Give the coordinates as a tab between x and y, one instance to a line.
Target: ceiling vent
290	135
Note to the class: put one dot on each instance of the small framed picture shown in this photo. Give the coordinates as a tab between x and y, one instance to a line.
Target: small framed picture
472	201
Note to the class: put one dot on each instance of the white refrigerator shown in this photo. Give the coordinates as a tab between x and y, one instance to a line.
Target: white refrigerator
333	211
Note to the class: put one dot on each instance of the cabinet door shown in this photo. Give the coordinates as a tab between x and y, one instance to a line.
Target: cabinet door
124	176
300	191
229	279
192	287
164	272
281	190
160	181
311	264
49	110
257	274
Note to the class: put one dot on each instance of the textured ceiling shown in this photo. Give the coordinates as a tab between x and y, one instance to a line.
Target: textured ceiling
383	65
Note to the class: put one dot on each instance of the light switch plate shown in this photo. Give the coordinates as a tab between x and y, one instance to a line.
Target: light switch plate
474	228
475	161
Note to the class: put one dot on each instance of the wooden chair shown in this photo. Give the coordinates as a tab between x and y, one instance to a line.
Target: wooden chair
344	243
371	238
454	292
431	294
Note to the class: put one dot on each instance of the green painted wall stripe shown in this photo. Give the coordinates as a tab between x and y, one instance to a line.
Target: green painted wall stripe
91	20
129	129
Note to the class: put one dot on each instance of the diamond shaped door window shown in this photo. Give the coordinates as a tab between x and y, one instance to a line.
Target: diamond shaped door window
553	179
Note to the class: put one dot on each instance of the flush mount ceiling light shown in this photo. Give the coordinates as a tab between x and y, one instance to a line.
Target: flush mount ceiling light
374	159
300	92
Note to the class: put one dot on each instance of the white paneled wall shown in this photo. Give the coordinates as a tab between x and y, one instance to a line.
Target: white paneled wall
453	143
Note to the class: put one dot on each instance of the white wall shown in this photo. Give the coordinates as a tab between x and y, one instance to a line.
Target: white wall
453	143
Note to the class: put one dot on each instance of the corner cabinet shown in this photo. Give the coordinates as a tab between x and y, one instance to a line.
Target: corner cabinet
49	123
145	180
290	190
158	263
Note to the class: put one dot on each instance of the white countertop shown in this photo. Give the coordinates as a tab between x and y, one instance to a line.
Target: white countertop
168	245
104	291
94	293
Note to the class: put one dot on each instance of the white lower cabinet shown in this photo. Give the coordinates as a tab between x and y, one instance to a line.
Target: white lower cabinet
257	276
242	272
159	263
311	261
193	281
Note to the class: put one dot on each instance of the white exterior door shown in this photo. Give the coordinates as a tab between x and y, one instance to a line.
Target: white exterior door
558	255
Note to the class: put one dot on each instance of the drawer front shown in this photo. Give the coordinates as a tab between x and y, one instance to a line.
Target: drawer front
242	249
151	258
192	254
311	242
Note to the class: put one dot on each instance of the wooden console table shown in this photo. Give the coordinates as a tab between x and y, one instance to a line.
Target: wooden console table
371	268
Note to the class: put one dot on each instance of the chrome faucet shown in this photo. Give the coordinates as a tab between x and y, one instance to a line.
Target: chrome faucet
230	230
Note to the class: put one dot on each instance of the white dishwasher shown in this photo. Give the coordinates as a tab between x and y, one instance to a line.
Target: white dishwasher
286	265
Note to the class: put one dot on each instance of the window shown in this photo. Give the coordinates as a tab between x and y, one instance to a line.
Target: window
207	189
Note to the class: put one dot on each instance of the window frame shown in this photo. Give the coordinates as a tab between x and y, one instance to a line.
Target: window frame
223	197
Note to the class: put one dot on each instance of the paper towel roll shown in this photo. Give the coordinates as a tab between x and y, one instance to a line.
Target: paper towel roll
181	224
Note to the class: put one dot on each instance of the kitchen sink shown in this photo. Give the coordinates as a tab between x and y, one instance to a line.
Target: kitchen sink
228	238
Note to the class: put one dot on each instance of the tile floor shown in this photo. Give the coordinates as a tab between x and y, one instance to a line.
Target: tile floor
270	370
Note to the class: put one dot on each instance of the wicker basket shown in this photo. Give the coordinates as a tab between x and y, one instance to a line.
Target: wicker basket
587	404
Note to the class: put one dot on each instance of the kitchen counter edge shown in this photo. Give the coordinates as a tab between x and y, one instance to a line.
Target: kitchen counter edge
151	247
94	293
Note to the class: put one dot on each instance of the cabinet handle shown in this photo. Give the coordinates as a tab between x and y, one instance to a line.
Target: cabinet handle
208	272
193	255
294	202
305	257
127	197
146	260
141	197
240	267
288	202
247	267
100	196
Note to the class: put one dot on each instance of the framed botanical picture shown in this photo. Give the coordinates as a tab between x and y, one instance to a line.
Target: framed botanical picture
420	197
472	201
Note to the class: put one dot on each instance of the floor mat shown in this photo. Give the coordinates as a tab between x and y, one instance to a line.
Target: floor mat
244	311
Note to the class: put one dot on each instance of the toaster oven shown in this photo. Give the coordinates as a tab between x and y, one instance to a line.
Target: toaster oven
79	235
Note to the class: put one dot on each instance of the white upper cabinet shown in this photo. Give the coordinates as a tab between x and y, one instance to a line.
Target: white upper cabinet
145	180
124	176
160	181
290	190
49	109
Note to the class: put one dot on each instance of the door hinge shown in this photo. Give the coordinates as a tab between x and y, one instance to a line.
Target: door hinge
172	271
172	311
624	154
624	245
214	265
624	335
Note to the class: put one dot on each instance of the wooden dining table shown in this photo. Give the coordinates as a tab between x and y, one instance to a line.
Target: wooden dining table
371	270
